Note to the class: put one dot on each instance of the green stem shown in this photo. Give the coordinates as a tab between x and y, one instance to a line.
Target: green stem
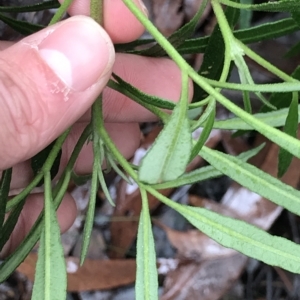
60	12
47	236
156	111
46	167
111	146
97	11
264	63
289	143
223	24
62	185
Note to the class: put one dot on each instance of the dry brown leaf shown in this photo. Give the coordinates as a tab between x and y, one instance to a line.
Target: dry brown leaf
92	275
208	280
194	245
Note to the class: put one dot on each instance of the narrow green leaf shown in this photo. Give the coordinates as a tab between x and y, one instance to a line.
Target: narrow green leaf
98	157
254	179
206	129
296	16
34	7
22	27
203	173
146	285
245	238
293	51
169	155
104	187
246	15
89	220
129	47
144	100
282	100
51	276
4	191
117	169
213	59
279	100
290	127
149	99
40	158
275	119
178	37
10	224
254	34
61	11
20	253
271	6
281	87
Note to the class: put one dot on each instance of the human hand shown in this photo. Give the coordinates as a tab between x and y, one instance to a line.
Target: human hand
49	80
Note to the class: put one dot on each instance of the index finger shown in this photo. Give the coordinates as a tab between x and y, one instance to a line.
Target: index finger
121	25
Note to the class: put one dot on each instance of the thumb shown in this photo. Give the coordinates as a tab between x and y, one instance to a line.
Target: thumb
47	81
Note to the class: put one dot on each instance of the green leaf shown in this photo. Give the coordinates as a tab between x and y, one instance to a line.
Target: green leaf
275	119
254	179
10	223
51	276
245	238
31	8
178	37
277	6
89	220
203	173
211	110
60	11
213	59
293	51
254	34
4	191
246	16
169	155
20	253
149	99
290	127
282	100
104	187
247	36
278	100
296	16
38	161
146	285
129	47
22	27
98	158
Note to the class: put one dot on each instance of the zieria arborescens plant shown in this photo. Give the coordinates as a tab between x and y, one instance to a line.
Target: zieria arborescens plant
165	163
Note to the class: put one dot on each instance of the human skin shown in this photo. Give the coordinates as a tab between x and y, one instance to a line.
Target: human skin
40	99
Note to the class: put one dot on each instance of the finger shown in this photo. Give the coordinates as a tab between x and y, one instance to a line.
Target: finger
66	215
159	77
5	44
47	81
121	25
125	136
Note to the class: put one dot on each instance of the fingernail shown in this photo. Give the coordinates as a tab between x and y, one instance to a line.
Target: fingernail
143	7
79	51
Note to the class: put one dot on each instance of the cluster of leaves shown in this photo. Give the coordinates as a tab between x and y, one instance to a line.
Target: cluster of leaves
165	163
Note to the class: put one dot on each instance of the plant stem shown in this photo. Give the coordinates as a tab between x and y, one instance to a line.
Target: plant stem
97	11
46	167
60	12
